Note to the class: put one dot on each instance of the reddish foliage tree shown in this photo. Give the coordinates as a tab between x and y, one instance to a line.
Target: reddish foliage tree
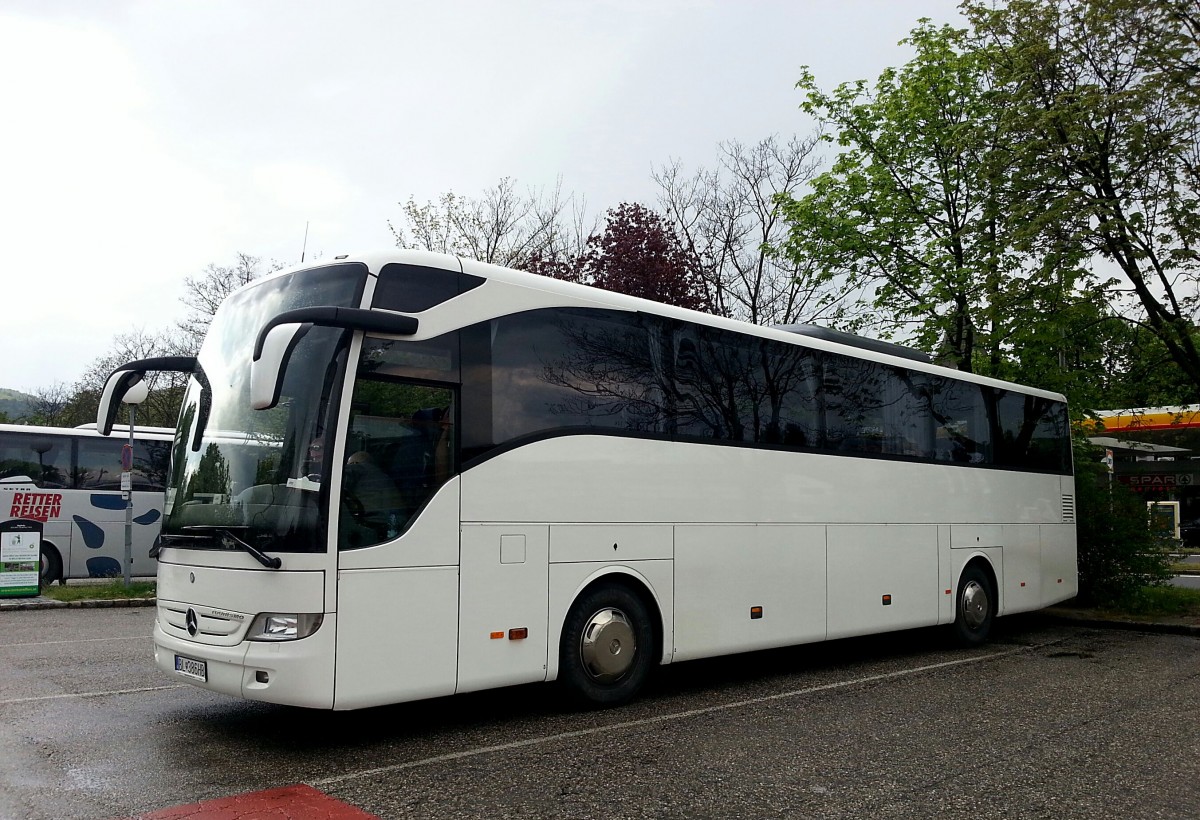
639	254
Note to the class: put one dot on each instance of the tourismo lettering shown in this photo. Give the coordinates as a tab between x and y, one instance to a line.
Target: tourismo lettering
36	506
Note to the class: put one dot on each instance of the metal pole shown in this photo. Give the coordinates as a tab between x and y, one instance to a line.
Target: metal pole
127	487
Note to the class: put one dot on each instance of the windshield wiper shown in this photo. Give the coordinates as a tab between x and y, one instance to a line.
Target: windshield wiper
230	541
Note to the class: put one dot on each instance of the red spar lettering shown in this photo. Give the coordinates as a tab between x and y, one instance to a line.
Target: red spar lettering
36	506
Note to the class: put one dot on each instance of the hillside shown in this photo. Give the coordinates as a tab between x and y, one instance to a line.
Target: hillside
14	403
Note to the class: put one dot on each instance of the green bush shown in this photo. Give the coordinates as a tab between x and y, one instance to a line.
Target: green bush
1118	554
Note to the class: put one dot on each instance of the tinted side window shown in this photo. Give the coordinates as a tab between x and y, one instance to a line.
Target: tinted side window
575	370
718	386
853	394
399	451
739	388
962	430
414	288
572	369
150	462
45	459
1032	432
99	464
791	395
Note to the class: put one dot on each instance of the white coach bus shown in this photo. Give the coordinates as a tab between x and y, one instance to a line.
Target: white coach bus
406	475
70	480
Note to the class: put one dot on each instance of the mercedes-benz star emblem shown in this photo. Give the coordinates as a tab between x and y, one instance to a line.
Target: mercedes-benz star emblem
193	623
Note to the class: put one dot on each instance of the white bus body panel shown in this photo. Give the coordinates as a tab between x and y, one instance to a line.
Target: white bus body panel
396	632
504	587
882	577
599	479
722	571
398	604
1060	564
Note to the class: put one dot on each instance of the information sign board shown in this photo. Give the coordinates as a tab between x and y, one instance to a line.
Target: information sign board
20	558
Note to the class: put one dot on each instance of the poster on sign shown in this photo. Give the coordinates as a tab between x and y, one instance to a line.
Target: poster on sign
20	558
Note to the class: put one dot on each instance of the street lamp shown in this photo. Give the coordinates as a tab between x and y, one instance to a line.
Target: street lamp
135	395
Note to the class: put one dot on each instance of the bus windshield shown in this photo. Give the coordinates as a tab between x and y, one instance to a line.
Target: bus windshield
259	475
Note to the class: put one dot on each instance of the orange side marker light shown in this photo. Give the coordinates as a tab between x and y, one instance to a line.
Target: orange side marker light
519	634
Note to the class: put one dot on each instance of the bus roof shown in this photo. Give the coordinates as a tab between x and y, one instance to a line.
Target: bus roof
90	430
558	293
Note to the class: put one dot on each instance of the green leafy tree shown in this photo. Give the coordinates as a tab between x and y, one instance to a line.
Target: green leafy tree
1103	128
1118	553
914	209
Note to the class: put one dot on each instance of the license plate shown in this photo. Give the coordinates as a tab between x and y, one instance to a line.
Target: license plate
191	668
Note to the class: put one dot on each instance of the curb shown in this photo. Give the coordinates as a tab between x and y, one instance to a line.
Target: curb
1156	627
99	603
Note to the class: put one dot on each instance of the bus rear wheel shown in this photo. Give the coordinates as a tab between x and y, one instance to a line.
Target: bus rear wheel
51	568
974	607
607	647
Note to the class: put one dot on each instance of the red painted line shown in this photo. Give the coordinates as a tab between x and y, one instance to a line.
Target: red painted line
298	802
1134	428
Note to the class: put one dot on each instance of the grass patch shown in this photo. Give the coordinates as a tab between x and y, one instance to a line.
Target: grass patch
1161	601
101	591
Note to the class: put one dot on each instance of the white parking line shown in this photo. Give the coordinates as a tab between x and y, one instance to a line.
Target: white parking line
77	640
630	724
92	694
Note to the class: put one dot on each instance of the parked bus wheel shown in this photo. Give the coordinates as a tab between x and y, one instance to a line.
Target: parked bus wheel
51	568
974	607
607	646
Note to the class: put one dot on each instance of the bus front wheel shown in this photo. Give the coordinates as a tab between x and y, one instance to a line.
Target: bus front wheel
51	568
607	646
974	607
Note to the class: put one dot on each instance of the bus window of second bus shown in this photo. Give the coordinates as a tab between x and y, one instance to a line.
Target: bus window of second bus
44	459
399	451
99	464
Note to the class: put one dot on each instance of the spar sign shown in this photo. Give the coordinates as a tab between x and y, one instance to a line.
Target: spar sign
20	558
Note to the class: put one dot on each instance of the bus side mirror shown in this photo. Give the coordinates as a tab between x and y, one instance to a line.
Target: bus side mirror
270	363
279	337
122	386
127	384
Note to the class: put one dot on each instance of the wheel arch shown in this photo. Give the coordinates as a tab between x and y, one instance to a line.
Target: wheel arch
631	579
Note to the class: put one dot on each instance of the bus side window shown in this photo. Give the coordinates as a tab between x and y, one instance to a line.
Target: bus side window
399	451
98	466
150	461
45	460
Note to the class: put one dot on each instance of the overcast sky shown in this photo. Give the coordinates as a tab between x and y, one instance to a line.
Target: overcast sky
142	141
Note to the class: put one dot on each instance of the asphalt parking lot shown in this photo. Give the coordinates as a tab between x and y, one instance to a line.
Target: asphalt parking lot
1050	720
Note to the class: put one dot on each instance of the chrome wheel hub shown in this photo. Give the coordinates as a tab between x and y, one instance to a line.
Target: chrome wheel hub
974	604
607	646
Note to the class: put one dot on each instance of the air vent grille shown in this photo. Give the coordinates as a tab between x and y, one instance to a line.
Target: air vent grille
1068	509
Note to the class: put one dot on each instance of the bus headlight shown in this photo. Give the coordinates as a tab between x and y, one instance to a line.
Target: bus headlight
272	626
